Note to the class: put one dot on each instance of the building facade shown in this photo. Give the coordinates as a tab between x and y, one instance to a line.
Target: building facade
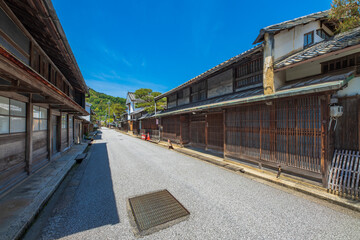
42	91
288	102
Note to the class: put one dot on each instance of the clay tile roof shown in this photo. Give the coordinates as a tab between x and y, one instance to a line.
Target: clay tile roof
291	23
338	42
212	70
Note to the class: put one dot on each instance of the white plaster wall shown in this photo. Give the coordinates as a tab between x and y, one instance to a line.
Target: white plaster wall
288	41
303	70
352	89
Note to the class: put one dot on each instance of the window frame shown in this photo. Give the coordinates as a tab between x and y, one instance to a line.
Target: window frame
40	118
11	116
64	121
312	39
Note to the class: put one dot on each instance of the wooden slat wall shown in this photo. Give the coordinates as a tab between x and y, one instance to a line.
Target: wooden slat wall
148	126
215	131
64	138
287	133
40	151
185	128
171	128
347	129
197	130
12	160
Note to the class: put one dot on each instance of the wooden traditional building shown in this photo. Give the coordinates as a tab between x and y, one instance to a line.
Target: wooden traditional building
42	91
276	104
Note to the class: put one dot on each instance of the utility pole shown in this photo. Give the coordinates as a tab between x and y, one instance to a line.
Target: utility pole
109	110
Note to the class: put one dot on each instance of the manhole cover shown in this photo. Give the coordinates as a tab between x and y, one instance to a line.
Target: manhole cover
155	211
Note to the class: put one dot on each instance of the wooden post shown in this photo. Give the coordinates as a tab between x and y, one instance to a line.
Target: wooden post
59	127
29	134
206	131
324	140
224	131
359	123
68	130
181	134
49	133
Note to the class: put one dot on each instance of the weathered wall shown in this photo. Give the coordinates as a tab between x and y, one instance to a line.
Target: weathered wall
40	153
64	136
289	41
347	129
16	35
12	159
220	84
352	89
186	97
172	101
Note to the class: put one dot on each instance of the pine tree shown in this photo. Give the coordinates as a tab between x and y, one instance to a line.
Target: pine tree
346	13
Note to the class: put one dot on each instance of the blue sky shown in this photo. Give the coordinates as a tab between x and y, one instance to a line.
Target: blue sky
121	46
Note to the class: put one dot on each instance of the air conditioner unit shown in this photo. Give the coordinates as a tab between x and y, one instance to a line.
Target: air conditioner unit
336	111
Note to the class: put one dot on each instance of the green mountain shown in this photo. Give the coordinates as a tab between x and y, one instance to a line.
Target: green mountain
99	102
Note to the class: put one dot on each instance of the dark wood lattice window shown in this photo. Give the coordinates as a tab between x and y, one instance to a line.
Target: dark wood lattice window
198	91
249	73
341	63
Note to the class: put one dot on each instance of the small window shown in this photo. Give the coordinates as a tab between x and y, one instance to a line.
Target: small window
12	116
39	118
321	33
308	39
64	121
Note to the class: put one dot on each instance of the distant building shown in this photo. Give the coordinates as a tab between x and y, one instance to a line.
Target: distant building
133	113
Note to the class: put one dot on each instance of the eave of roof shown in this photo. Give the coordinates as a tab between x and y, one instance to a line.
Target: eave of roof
315	88
55	44
212	70
52	89
290	24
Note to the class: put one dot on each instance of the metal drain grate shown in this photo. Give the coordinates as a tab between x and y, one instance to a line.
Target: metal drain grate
154	209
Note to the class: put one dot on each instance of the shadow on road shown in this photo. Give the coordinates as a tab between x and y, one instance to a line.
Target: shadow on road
85	200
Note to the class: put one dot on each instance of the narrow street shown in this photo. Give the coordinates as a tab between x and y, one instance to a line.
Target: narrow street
91	202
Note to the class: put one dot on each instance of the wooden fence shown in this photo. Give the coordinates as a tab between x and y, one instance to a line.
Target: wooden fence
286	133
344	173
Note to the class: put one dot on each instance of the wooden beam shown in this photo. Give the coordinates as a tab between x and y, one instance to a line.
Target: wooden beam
29	135
15	96
18	89
48	102
49	133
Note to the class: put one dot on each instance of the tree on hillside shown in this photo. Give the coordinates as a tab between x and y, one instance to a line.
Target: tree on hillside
346	13
147	95
100	106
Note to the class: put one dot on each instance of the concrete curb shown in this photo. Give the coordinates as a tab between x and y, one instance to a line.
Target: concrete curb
16	226
293	184
288	182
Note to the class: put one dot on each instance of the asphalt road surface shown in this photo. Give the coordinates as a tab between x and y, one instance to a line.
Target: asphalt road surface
91	202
